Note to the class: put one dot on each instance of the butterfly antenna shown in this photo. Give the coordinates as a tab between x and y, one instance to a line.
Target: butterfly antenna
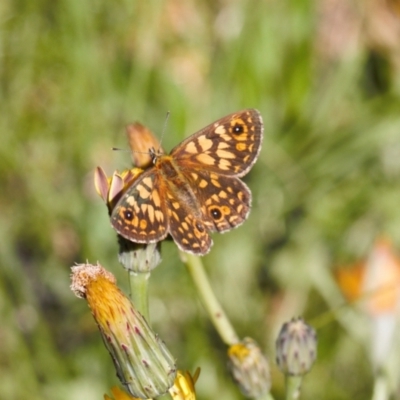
163	130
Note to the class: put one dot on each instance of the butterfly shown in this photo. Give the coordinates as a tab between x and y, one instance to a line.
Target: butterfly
195	189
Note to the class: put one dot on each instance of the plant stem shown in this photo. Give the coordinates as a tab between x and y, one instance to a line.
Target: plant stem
381	389
293	385
208	298
139	286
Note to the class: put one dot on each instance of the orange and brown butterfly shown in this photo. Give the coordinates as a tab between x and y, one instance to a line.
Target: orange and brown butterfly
194	190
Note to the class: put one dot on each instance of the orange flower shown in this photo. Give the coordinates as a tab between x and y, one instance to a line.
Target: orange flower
378	279
119	394
377	283
382	278
350	280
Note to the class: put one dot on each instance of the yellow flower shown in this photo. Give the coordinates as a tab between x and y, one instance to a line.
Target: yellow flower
183	388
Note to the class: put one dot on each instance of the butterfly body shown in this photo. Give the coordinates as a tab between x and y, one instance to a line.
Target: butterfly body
195	189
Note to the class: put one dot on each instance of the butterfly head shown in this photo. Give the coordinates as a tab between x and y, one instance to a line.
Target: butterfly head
155	154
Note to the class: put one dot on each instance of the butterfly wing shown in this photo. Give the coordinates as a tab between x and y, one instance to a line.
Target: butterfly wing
224	201
141	213
141	140
189	232
210	162
229	146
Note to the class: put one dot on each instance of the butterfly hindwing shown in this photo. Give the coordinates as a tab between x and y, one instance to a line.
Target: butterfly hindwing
189	232
141	213
225	201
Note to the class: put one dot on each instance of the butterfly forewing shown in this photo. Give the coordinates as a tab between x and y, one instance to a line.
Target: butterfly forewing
141	140
229	146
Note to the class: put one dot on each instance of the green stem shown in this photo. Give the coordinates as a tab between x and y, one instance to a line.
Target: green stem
266	396
208	298
139	260
139	285
381	389
293	385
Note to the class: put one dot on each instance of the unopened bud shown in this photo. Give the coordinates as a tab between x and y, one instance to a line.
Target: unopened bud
296	347
249	368
138	257
111	189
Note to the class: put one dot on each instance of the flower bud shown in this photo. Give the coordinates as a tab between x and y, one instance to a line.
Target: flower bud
138	257
143	363
249	368
111	189
296	347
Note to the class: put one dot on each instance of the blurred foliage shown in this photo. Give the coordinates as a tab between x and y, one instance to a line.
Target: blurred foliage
73	74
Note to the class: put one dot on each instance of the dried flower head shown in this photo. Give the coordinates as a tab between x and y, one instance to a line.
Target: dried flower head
143	363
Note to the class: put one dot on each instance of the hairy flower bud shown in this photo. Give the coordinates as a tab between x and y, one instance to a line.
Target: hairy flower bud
249	368
296	347
143	363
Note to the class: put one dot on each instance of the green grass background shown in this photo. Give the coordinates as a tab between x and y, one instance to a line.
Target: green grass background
327	182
